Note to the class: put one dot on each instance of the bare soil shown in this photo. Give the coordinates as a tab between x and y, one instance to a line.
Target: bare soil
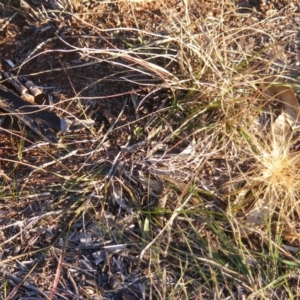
70	213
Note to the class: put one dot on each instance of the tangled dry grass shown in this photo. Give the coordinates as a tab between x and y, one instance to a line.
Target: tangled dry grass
187	186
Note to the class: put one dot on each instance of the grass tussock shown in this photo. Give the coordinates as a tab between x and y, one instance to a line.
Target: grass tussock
187	186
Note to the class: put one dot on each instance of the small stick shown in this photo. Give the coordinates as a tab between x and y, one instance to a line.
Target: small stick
19	87
33	89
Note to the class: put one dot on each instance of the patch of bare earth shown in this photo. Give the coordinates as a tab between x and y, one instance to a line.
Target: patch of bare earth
140	206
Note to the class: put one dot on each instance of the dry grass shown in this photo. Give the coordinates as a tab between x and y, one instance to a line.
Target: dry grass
187	186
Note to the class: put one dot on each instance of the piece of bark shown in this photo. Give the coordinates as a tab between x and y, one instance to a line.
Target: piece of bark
15	83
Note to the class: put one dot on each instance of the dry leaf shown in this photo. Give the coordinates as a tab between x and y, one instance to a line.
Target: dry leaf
286	96
281	130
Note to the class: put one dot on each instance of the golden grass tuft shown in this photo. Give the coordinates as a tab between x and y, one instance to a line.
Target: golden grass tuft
277	170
